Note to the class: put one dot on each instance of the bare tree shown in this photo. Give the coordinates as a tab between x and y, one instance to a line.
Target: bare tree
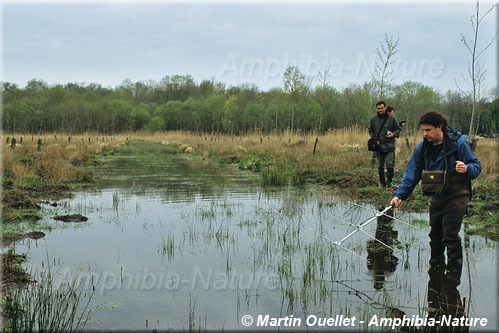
322	92
476	69
382	72
294	85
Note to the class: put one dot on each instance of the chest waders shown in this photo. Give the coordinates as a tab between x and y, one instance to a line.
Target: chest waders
446	216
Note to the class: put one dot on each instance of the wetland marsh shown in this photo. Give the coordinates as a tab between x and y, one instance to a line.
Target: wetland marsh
181	244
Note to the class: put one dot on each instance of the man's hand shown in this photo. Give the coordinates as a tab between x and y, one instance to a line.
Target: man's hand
396	202
461	167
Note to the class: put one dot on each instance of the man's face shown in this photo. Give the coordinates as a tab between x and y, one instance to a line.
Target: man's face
432	133
381	109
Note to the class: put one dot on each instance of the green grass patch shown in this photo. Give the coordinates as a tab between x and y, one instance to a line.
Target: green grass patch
482	217
272	177
251	164
142	148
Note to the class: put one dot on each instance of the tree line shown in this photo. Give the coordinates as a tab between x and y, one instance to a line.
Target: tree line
179	103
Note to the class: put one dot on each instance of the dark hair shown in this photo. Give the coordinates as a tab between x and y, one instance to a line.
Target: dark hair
381	102
434	119
389	109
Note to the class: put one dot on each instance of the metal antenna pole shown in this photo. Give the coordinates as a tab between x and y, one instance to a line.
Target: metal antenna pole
391	217
358	228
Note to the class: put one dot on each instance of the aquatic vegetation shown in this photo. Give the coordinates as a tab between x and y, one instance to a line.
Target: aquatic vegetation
45	306
200	246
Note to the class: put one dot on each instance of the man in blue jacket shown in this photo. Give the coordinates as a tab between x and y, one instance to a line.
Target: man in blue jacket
447	209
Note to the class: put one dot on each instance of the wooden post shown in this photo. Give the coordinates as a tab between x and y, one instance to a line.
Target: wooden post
315	144
8	139
39	145
473	144
408	145
13	143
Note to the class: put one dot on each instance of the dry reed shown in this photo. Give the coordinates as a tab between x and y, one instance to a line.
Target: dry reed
54	161
337	151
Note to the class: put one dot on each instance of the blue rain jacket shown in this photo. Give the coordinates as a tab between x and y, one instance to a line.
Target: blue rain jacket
457	149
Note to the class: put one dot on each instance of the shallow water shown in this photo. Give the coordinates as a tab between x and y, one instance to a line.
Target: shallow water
185	245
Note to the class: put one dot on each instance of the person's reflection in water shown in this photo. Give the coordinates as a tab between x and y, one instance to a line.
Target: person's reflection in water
444	298
381	260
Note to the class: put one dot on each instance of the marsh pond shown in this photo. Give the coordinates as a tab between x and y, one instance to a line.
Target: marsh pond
184	245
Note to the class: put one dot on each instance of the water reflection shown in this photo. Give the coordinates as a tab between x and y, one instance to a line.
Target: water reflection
180	239
445	309
175	178
444	298
380	252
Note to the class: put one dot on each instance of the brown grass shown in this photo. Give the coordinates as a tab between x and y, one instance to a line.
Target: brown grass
57	161
337	150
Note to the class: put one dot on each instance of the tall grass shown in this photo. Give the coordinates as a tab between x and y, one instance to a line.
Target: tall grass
54	162
44	307
337	151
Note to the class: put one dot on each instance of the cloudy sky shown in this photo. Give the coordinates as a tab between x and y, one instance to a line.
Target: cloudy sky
239	42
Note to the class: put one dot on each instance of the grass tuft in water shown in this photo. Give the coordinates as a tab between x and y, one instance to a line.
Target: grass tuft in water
167	246
273	178
44	306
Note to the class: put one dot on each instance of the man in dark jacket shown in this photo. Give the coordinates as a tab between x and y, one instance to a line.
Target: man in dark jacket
384	128
442	146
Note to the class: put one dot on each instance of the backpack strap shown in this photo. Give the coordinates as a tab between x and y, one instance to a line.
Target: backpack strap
382	125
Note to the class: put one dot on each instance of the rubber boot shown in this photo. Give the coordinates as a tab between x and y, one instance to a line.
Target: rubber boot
382	181
389	176
437	258
454	255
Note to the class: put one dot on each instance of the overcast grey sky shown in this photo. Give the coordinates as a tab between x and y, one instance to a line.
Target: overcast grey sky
236	43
